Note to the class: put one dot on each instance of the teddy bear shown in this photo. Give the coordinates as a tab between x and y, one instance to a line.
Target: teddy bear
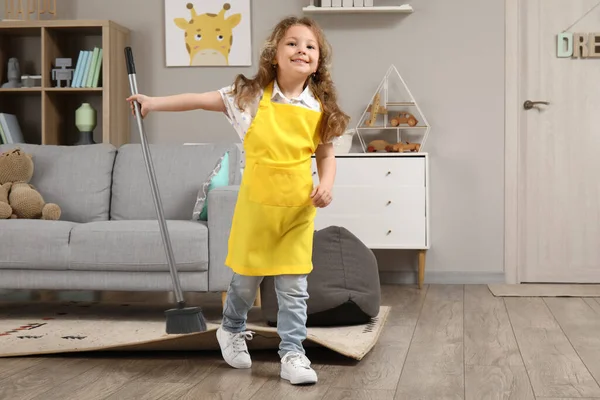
5	208
24	201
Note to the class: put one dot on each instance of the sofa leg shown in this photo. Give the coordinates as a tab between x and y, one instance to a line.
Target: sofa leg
257	302
47	296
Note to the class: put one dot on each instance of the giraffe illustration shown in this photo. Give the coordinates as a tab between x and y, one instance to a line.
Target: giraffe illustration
208	37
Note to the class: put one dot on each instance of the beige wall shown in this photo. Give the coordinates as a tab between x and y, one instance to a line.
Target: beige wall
451	53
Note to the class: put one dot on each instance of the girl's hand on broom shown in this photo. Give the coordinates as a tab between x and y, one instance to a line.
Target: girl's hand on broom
145	103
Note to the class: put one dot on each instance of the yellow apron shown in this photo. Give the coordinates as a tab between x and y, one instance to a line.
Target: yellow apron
273	223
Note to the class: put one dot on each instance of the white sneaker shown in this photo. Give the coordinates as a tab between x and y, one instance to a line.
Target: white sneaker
295	367
233	347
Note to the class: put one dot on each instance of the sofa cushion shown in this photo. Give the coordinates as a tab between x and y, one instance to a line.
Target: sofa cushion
137	246
34	244
77	178
180	172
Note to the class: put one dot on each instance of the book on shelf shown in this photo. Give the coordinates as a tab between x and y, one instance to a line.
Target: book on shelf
87	69
10	131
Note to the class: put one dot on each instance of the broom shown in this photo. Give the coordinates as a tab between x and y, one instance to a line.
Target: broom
182	319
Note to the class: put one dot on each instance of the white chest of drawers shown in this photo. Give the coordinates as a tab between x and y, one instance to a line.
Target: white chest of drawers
383	199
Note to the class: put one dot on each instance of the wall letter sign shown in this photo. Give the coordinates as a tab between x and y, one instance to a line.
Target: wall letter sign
578	45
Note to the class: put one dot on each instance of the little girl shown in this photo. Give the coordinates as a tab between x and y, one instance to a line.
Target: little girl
284	115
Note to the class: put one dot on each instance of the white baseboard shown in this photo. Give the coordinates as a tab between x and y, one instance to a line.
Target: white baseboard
442	277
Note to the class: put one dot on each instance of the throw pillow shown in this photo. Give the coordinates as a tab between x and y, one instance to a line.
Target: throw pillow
218	177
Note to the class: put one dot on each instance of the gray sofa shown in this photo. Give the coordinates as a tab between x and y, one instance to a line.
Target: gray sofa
107	237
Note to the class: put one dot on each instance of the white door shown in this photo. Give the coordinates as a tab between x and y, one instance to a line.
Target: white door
559	143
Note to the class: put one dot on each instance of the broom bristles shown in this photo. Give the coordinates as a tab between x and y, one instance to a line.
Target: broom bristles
185	320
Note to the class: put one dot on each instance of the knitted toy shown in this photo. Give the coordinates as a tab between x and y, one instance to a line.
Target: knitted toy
5	208
16	167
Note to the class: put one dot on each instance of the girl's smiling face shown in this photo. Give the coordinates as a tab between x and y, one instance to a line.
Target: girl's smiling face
298	52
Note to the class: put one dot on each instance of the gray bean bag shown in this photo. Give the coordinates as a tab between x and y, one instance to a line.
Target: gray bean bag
343	288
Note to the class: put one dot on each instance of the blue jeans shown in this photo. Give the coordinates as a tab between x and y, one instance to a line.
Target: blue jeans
292	294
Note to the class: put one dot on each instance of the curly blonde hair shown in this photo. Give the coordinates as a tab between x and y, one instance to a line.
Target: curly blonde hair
334	121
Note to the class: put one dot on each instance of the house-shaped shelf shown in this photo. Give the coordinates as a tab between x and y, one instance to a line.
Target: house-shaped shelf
393	115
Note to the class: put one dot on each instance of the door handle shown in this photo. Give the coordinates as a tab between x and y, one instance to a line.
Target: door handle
528	105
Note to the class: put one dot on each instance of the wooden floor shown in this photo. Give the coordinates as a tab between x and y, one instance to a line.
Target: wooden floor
442	342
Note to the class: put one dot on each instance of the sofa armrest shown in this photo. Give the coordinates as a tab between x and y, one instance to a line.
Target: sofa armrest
221	204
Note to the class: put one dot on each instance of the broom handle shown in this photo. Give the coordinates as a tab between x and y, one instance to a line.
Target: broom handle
151	175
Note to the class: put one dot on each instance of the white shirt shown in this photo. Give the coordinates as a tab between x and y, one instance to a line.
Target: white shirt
241	120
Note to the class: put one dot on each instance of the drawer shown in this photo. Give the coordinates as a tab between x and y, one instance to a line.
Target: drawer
399	202
379	232
378	171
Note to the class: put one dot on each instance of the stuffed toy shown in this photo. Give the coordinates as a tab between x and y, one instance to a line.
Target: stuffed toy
16	169
5	208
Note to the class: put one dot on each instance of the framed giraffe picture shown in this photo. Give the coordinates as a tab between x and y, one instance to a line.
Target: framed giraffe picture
207	33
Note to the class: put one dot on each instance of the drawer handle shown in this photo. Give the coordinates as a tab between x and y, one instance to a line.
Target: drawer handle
388	173
389	202
314	172
388	232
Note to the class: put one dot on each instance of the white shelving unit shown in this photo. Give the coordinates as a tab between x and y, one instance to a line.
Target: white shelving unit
404	9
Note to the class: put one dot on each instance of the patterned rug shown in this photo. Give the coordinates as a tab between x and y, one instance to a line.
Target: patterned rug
64	327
